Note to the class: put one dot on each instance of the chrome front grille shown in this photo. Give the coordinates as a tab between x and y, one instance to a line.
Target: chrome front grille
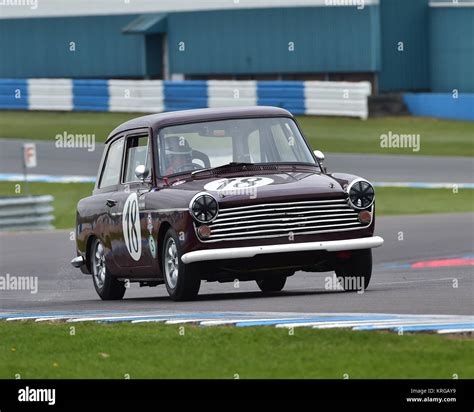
283	220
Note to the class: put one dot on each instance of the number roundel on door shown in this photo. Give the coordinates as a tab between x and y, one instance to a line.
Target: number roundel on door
131	227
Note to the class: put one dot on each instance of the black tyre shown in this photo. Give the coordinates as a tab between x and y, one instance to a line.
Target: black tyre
106	286
356	270
182	283
272	283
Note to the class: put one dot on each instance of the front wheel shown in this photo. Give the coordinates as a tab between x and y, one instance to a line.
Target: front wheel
355	272
106	286
182	283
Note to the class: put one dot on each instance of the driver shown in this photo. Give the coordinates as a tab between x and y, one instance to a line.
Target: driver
178	155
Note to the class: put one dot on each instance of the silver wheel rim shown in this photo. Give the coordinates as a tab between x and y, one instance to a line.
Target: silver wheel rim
98	264
171	263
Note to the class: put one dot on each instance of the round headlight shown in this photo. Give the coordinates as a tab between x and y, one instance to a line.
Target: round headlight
203	207
361	194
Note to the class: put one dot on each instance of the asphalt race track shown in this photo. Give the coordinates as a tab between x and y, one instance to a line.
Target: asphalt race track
378	168
415	275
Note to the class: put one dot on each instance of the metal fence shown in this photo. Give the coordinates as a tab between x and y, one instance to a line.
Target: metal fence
26	213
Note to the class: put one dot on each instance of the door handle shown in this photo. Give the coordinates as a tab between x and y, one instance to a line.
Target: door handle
110	202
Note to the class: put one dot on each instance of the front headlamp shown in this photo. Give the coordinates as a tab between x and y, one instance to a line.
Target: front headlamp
203	207
361	194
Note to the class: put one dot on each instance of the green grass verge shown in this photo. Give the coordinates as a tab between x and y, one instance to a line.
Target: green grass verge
160	351
437	137
329	134
403	201
390	201
39	125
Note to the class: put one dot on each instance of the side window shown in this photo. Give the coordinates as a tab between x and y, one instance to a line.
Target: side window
113	164
136	154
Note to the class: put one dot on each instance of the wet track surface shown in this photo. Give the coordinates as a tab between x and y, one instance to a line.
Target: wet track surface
400	283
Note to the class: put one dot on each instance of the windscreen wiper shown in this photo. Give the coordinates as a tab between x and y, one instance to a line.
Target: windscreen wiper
231	164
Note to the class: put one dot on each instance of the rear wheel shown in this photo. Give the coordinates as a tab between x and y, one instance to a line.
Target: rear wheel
272	283
106	286
355	270
182	282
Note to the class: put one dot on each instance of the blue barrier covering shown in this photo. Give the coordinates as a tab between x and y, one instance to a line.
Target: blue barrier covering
90	95
286	94
298	97
14	94
442	105
180	95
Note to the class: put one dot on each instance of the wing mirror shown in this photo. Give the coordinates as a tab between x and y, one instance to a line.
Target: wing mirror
141	172
320	157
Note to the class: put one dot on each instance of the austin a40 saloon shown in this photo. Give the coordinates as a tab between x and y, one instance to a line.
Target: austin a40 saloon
220	195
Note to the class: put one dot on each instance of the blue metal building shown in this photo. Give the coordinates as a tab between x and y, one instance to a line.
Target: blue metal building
396	44
451	48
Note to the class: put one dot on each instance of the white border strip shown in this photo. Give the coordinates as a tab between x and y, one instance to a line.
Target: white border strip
450	4
60	8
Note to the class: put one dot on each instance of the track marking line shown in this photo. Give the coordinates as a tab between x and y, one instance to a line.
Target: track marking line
119	318
354	321
460	330
414	281
230	321
309	320
388	325
418	328
335	324
37	317
153	320
443	263
406	326
368	322
179	321
156	317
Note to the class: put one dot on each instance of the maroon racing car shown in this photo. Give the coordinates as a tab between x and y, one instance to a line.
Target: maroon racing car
220	195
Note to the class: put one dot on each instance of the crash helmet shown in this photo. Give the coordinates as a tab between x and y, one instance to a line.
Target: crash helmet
177	151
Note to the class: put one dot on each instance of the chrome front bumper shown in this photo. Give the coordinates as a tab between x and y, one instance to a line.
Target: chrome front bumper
251	251
77	262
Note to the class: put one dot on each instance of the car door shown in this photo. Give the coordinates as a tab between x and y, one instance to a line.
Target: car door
131	247
106	197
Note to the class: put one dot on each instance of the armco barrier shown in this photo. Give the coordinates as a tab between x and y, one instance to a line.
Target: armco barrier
185	95
337	98
289	95
50	94
223	93
26	213
136	96
90	95
14	94
311	97
443	105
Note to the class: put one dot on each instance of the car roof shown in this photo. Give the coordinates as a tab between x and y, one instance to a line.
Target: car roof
158	120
